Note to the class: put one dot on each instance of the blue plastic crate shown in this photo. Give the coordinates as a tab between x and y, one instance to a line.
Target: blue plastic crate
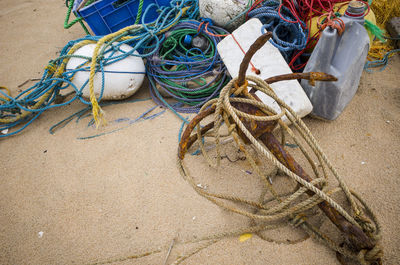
107	16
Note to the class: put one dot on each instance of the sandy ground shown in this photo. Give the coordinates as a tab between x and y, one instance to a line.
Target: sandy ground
121	194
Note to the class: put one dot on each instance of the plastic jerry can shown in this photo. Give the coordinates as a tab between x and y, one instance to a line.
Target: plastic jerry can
342	56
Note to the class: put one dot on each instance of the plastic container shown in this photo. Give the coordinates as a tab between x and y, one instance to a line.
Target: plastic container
342	56
341	9
107	16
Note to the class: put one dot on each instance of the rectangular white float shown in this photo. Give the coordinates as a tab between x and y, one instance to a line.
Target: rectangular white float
269	61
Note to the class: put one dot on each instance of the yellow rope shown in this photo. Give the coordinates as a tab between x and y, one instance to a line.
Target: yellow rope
8	92
59	71
384	10
293	207
98	114
378	50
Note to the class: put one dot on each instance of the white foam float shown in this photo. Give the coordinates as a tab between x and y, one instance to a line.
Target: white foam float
223	11
121	79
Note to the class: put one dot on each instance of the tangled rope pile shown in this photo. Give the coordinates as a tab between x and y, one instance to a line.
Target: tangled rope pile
299	13
29	104
191	73
287	36
302	15
249	121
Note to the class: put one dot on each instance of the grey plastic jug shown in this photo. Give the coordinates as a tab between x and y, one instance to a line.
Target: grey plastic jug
342	56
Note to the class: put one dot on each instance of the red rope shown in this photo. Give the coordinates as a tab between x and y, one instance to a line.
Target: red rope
306	11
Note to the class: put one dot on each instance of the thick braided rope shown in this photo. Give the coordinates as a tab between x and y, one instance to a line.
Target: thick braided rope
264	87
211	239
224	109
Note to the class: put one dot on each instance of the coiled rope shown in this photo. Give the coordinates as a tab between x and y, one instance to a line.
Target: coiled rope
302	12
251	122
288	37
292	208
190	73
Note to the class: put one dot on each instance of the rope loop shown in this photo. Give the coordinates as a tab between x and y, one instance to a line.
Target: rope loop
365	224
293	207
187	66
287	36
332	21
374	254
4	96
367	257
298	220
239	90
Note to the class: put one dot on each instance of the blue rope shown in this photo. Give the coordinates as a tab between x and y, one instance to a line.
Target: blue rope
379	63
171	72
144	39
142	117
85	112
287	37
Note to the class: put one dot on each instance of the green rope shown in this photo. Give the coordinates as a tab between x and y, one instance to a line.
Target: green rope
67	25
139	12
168	52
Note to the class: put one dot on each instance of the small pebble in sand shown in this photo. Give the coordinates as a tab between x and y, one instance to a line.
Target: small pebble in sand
204	187
363	163
40	234
387	121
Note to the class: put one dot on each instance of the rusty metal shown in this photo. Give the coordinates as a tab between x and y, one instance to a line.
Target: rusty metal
262	130
312	76
188	140
357	238
249	54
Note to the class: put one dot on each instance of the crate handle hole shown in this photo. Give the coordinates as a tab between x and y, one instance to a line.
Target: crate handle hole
120	3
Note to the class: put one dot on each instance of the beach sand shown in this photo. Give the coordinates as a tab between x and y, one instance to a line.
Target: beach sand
65	200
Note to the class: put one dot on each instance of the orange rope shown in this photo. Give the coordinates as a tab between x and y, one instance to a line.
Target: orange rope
331	21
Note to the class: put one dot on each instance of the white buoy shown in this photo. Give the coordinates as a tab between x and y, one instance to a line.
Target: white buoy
121	78
222	12
269	61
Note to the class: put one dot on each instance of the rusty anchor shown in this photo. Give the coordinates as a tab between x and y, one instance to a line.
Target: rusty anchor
357	240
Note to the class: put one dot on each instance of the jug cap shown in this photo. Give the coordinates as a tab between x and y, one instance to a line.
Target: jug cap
355	9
